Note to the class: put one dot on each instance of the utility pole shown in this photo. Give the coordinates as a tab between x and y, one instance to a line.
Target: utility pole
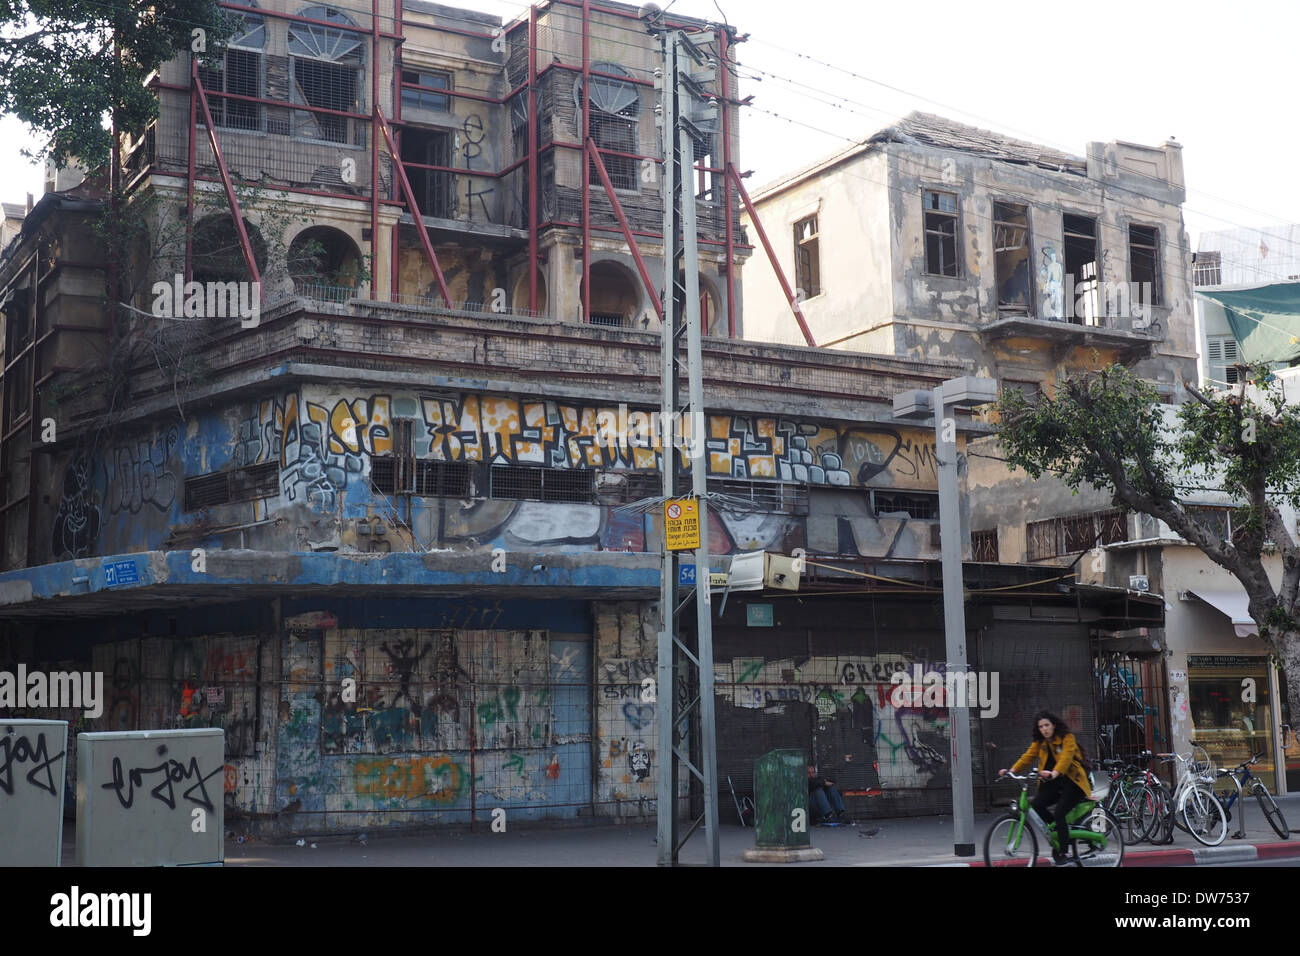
687	738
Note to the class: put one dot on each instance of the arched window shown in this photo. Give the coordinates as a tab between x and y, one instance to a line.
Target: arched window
615	114
328	69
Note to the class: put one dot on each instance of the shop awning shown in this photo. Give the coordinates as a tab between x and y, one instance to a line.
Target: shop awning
1234	606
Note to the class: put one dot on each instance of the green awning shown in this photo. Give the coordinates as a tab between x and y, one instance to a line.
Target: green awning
1265	321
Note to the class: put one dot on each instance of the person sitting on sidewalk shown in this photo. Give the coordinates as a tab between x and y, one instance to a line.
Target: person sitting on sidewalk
827	804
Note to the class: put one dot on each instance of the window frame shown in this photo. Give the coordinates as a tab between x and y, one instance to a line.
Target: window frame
813	288
1158	272
419	90
926	232
355	61
1028	244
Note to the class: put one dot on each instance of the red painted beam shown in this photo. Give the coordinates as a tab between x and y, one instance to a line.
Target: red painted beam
771	257
586	167
594	154
235	211
414	208
533	186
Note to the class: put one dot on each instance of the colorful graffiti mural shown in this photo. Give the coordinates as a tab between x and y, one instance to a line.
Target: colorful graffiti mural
323	442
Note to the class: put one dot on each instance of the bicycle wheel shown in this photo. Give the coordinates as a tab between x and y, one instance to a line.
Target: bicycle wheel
1203	816
1109	850
1145	823
1162	828
1123	808
1011	841
1271	812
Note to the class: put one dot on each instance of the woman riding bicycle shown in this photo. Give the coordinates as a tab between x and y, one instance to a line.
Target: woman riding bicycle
1063	781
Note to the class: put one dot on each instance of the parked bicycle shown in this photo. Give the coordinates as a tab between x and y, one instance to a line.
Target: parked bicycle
1093	836
1131	801
1242	778
1192	805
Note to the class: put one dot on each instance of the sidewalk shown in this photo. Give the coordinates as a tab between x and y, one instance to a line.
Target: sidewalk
914	841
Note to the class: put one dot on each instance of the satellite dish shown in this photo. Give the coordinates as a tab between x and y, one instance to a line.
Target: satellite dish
649	11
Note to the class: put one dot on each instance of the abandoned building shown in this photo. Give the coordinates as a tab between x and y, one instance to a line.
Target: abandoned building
381	534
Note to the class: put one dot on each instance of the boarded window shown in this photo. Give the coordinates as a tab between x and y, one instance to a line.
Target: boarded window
807	257
1041	539
941	234
1144	264
1011	256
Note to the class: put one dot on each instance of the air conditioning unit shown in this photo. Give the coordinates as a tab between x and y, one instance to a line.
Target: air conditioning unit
1139	582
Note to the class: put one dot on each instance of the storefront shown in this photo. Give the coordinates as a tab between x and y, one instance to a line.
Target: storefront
1231	707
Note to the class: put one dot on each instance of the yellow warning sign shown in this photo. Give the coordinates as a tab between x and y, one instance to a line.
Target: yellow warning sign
682	524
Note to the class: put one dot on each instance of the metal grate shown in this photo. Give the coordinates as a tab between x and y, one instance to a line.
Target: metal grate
914	505
442	479
766	496
608	320
1040	539
542	484
225	487
205	491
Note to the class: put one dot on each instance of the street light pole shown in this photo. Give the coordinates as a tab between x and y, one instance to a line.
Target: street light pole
941	404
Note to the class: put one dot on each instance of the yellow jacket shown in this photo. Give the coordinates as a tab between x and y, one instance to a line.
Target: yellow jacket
1067	764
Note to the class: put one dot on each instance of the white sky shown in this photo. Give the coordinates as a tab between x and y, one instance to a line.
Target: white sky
1219	78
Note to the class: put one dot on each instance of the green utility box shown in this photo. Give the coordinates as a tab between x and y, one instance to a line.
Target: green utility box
781	799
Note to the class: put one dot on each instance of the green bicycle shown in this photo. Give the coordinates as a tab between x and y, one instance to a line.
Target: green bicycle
1093	834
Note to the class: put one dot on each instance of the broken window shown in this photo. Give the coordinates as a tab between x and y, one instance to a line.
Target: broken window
327	73
423	98
1221	350
941	234
1144	264
984	546
1206	268
615	111
1081	264
1011	256
807	259
237	71
432	188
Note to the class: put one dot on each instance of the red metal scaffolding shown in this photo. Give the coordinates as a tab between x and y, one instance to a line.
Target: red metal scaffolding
726	177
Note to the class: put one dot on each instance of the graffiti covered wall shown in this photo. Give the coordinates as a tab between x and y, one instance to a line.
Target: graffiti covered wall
322	443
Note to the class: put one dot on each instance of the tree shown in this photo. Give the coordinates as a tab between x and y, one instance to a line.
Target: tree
68	65
1108	429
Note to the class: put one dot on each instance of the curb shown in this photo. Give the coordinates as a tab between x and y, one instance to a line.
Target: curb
1247	853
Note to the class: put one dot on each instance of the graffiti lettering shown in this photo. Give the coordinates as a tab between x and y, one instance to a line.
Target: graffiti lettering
19	750
173	772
